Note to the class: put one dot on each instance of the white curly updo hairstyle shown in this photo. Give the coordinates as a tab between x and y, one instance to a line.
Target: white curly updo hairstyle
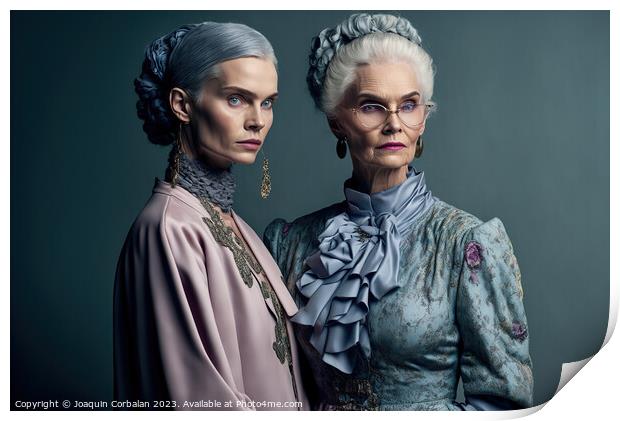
364	39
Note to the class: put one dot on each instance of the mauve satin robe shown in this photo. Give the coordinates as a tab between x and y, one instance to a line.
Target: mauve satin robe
186	326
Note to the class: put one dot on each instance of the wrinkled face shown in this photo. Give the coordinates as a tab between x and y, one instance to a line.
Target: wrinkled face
390	145
234	112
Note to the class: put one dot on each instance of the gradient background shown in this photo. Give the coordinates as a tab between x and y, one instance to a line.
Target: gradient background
522	133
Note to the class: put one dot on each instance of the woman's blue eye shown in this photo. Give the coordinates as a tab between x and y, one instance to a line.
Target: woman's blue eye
267	104
408	107
371	108
234	101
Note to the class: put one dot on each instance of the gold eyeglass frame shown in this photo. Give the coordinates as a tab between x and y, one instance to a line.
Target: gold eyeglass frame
427	110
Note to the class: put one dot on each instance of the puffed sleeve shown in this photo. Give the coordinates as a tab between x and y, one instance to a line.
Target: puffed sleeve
496	368
166	343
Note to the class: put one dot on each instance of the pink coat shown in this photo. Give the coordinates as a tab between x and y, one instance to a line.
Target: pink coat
186	326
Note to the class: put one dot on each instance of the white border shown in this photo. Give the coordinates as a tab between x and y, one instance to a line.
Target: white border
592	394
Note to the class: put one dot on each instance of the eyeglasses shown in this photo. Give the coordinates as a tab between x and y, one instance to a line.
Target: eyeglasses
412	114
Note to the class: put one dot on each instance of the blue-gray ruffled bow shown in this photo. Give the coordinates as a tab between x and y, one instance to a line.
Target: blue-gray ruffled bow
358	257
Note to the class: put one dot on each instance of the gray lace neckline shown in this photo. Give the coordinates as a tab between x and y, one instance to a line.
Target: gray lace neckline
218	186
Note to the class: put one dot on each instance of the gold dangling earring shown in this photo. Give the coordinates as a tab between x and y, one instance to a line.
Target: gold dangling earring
176	160
265	185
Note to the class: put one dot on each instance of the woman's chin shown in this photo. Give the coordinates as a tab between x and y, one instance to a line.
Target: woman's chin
393	162
245	158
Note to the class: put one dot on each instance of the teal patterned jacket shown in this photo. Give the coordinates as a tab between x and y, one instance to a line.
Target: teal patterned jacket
457	314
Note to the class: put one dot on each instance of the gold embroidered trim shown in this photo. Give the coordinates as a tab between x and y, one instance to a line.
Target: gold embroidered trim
351	394
249	268
224	235
282	344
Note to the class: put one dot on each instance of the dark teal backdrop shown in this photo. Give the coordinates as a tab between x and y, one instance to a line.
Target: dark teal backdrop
522	133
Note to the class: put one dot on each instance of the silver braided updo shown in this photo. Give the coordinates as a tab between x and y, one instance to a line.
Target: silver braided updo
360	39
185	58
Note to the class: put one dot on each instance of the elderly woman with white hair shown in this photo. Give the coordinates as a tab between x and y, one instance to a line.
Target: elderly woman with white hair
400	294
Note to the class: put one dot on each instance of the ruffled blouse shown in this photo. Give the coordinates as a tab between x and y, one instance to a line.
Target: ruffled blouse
357	261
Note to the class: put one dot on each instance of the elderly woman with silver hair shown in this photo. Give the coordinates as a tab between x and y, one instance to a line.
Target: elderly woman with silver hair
200	310
400	294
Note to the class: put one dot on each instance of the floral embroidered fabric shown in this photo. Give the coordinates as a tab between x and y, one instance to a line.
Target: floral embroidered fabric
458	311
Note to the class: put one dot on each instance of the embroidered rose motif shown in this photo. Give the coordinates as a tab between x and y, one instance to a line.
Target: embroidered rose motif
473	255
473	258
285	229
519	331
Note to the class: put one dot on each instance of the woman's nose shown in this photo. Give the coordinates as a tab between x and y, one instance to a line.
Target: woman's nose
255	120
392	124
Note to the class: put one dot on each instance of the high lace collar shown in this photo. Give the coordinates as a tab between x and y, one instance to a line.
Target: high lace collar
218	186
